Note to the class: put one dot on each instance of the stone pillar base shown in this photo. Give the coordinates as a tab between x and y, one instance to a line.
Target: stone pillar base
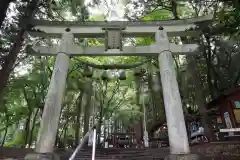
41	156
184	157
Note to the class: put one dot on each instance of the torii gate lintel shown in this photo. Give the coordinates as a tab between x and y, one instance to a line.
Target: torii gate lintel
77	50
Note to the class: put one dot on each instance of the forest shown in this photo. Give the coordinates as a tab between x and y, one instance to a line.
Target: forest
115	99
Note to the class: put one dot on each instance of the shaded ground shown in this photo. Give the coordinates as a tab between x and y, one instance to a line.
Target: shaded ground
214	151
219	150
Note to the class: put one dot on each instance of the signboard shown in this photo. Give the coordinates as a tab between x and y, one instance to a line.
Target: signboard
237	115
237	104
230	130
228	122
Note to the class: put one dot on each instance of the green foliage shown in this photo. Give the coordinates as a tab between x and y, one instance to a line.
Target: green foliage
229	21
23	100
160	14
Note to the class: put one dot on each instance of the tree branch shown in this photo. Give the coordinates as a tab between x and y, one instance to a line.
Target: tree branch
114	92
237	78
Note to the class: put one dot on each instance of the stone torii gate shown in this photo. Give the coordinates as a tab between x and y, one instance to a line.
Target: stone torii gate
113	32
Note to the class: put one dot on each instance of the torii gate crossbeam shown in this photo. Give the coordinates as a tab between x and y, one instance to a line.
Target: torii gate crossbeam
129	29
76	50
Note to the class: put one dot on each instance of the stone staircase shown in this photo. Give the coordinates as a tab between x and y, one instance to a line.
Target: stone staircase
120	154
213	151
102	153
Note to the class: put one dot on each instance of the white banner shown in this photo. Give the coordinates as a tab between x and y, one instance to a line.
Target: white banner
228	122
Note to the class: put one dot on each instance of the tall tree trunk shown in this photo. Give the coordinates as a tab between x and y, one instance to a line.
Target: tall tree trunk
208	58
5	133
174	9
152	101
33	127
10	59
158	96
28	120
86	114
156	100
87	108
65	138
99	131
101	112
200	97
138	85
77	126
27	127
105	129
7	120
3	10
59	137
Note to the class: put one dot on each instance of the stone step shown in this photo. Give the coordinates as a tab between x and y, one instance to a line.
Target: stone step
110	153
224	150
119	154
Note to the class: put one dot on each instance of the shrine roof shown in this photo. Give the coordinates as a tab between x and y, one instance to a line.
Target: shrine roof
223	95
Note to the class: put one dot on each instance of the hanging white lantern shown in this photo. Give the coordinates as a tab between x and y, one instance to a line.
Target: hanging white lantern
122	75
105	76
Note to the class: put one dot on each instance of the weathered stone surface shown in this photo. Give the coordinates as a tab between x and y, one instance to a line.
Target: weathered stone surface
132	29
53	101
227	149
42	156
213	151
111	24
177	133
183	157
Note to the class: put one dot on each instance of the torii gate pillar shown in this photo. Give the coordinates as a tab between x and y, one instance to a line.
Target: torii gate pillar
53	104
178	140
52	108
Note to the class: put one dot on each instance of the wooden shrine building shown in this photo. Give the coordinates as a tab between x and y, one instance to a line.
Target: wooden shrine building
227	108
